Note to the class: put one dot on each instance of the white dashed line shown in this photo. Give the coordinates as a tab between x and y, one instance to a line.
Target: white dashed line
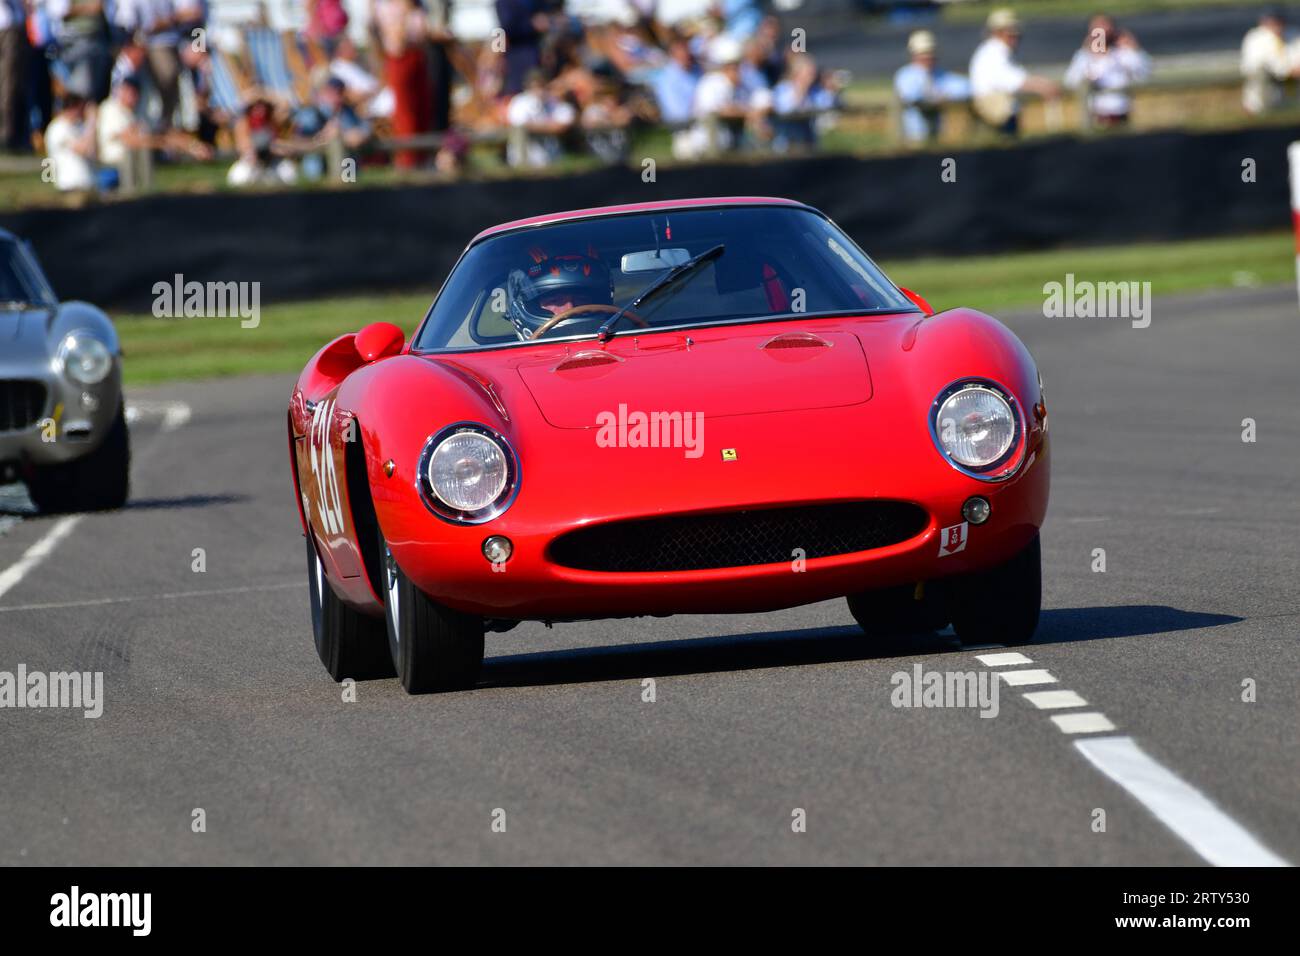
1191	815
1002	660
1086	723
1034	675
37	553
1054	699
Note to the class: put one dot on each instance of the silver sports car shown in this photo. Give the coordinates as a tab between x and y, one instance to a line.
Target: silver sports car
62	423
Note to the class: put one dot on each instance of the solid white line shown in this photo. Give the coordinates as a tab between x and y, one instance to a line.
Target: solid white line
37	553
1022	678
1052	699
1186	811
171	596
1089	723
1002	660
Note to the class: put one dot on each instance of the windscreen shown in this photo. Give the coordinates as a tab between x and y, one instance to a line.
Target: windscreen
568	280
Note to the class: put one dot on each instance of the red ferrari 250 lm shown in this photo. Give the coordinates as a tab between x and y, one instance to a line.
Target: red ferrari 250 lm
710	405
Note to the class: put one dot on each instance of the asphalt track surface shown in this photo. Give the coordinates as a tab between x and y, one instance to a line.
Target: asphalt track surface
215	698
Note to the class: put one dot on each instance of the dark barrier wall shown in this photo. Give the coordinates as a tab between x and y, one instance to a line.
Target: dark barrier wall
313	243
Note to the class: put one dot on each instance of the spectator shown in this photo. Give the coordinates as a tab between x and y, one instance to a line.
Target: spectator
524	23
155	23
120	131
923	88
606	119
766	51
14	52
261	154
363	90
330	117
441	46
85	54
674	85
40	88
543	118
798	100
70	145
1108	63
1267	62
726	107
997	80
327	23
740	18
402	30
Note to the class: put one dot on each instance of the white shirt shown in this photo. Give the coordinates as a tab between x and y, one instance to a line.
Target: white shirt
71	169
1266	61
525	109
993	69
1108	76
715	92
113	119
132	15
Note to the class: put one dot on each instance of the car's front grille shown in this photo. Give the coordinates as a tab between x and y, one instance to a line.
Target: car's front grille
21	404
732	539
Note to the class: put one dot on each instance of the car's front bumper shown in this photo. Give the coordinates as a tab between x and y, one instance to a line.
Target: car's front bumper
448	564
72	421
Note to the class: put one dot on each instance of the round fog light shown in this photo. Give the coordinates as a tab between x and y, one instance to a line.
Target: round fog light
976	510
497	549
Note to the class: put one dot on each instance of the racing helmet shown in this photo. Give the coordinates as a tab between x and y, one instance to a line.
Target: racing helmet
579	278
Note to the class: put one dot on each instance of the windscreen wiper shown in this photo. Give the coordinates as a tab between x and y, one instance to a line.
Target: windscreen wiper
606	331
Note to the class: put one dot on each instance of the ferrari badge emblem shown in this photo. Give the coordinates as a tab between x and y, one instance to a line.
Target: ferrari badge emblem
728	454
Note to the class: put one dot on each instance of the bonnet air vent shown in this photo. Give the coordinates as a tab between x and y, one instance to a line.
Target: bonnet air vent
795	340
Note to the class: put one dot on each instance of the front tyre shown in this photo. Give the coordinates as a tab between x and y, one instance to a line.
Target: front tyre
1000	606
897	611
349	644
432	647
98	481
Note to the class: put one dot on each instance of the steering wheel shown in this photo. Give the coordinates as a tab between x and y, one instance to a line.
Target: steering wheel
577	310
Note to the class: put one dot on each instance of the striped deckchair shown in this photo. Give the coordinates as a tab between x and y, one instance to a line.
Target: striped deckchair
270	65
226	86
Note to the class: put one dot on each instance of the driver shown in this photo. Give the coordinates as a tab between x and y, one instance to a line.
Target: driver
553	285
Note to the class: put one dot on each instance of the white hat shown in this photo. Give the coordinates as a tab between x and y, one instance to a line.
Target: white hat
725	50
1003	18
922	41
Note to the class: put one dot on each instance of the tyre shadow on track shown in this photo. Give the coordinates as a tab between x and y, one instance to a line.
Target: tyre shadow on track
824	645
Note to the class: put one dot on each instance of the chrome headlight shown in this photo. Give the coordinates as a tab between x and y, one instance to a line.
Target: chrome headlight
468	473
977	427
85	359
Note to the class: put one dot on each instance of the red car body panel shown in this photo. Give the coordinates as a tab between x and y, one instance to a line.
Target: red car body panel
841	422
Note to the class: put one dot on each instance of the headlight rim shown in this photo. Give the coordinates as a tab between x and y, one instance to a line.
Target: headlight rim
1009	463
64	348
446	512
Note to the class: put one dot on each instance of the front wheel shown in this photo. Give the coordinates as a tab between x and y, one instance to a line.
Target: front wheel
897	611
433	648
348	643
1001	605
98	481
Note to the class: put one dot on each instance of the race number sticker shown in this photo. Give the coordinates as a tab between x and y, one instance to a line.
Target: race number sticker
329	504
952	540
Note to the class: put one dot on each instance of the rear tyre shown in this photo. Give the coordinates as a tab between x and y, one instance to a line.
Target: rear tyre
349	644
432	647
1000	606
891	612
98	481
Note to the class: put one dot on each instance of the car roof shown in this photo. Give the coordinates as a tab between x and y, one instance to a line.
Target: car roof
597	212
